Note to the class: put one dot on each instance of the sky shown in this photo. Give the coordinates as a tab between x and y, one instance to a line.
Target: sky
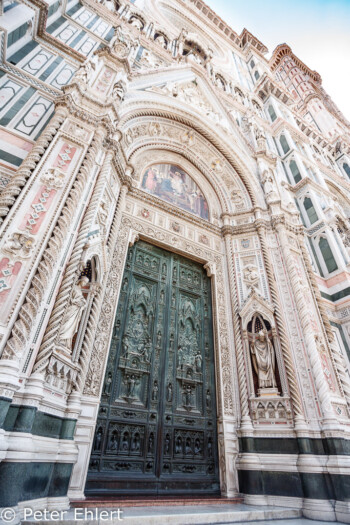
318	31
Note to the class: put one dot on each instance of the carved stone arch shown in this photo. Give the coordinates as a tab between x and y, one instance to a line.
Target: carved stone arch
149	155
135	15
208	139
340	195
256	304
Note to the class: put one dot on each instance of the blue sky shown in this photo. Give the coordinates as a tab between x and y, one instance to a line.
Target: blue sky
318	31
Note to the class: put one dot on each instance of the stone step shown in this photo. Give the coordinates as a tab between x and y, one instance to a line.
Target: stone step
174	515
152	501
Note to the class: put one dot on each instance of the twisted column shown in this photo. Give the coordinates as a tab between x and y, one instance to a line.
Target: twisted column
89	337
287	355
246	422
70	275
303	311
9	194
336	357
21	330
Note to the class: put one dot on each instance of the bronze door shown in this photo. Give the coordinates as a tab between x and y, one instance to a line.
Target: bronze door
156	427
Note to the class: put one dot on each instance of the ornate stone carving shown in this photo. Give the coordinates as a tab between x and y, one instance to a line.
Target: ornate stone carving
71	320
19	245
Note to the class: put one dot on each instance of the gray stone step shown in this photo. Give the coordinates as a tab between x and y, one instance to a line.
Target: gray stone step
199	515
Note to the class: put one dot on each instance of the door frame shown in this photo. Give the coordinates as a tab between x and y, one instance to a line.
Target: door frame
227	399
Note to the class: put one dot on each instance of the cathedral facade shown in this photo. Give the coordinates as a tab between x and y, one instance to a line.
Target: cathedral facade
174	261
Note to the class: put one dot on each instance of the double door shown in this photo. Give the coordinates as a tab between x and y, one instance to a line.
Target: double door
156	426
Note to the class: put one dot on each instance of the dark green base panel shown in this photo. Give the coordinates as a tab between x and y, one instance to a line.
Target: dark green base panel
294	484
27	481
102	486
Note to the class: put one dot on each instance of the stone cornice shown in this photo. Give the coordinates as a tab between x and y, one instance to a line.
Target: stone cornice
173	210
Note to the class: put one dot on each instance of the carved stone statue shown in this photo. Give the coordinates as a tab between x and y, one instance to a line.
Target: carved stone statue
19	244
260	139
119	90
269	185
71	319
160	40
263	357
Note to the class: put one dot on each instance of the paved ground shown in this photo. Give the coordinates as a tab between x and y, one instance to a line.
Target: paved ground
181	515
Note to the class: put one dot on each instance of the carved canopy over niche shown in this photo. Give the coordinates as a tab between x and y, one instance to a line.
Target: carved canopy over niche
171	183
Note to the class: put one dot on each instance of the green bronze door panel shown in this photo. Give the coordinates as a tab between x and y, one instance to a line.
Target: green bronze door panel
156	427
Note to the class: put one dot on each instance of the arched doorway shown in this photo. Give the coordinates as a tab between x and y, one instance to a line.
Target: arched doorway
156	427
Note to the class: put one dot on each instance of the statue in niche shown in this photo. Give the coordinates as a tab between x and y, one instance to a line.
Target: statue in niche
197	447
159	339
108	384
263	357
71	319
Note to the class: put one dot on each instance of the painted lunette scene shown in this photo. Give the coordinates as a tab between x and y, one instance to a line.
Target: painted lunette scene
172	184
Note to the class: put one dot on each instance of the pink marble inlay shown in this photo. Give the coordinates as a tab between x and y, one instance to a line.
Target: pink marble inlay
65	157
40	205
8	274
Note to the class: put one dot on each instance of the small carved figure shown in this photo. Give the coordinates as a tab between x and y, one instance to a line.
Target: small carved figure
198	361
155	391
210	448
131	383
167	444
135	445
160	40
108	384
150	443
125	443
125	346
188	446
178	445
264	360
71	319
113	444
208	399
169	394
20	244
197	446
98	439
180	357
